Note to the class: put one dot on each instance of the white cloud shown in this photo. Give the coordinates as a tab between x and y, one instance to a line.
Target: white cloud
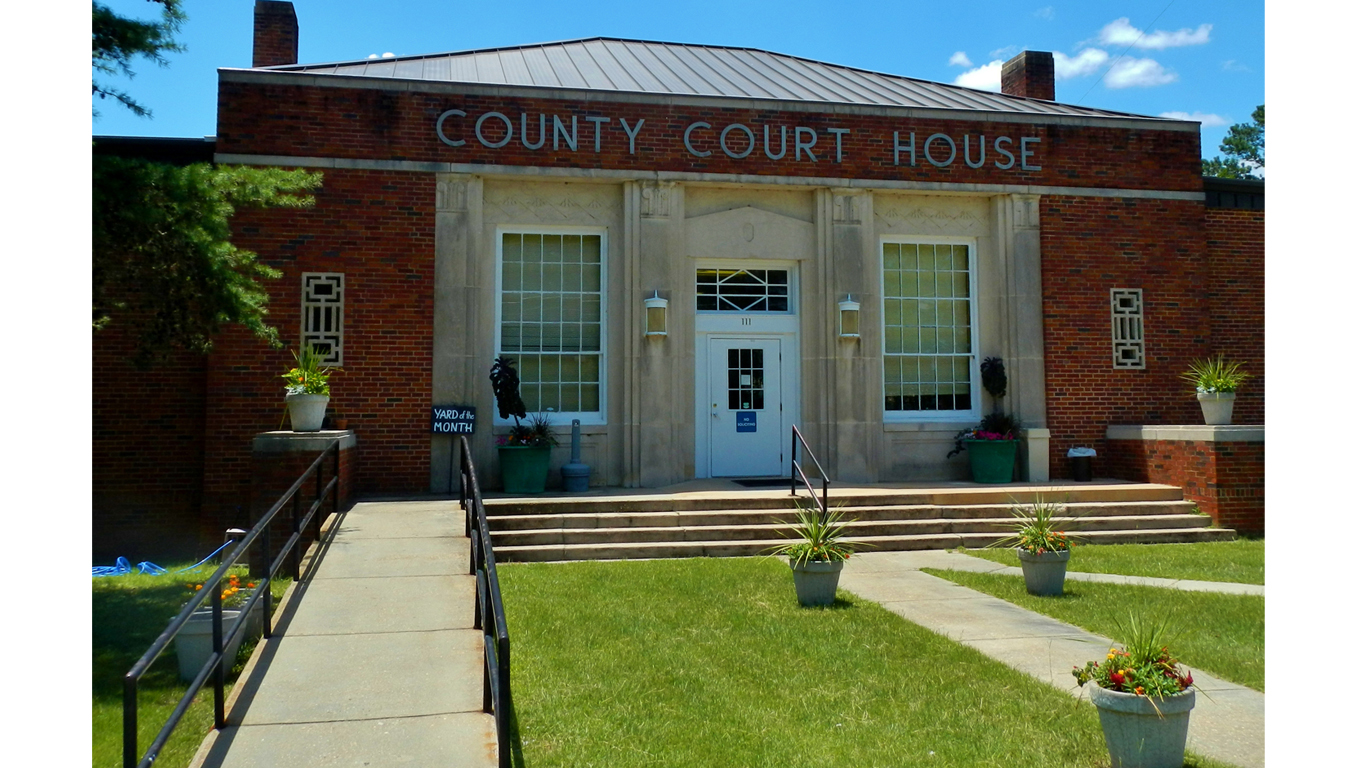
1045	13
1204	119
1085	63
1232	65
1121	32
1005	52
985	78
960	59
1129	72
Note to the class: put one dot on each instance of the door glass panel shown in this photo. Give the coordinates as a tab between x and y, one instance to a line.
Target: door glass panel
745	379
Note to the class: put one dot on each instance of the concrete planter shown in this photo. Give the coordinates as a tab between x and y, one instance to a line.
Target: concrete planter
1044	574
194	644
306	412
992	461
1217	407
1142	732
816	581
524	468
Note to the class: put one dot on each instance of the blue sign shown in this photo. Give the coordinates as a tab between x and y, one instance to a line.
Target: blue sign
746	421
453	419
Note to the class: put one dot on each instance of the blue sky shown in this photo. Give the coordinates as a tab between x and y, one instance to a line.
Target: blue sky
1199	58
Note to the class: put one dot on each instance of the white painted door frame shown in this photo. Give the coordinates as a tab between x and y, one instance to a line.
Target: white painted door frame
737	325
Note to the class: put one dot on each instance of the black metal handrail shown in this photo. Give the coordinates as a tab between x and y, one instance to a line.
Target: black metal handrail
824	501
216	666
488	611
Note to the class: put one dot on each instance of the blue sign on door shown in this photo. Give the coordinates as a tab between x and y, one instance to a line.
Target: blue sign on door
746	421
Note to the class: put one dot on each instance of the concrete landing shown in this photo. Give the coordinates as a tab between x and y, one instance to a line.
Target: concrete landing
374	660
1228	722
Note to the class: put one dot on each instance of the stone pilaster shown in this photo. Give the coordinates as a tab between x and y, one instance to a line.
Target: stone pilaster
659	370
1016	219
461	335
847	397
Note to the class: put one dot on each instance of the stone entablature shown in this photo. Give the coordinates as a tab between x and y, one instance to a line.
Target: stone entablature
314	116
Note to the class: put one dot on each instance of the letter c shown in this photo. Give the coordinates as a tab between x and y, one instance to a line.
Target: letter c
687	138
441	135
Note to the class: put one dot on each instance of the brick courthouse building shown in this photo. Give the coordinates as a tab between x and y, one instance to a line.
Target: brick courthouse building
836	249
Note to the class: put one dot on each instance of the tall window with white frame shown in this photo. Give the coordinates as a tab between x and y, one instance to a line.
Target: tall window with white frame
551	319
928	344
324	298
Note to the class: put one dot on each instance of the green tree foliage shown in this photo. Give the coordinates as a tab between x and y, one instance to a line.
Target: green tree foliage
163	262
162	259
1244	148
117	40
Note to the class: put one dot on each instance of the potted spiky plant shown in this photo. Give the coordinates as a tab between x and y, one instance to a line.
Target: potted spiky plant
1143	697
1216	386
524	453
818	554
1043	549
307	391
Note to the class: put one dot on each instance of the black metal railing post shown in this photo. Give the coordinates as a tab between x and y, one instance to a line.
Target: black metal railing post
216	600
215	669
295	558
488	610
824	501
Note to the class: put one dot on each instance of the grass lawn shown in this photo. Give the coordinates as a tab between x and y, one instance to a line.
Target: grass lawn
1223	634
1242	561
710	662
129	612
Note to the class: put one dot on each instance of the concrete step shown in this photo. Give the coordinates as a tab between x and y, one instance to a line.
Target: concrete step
996	527
746	548
582	520
941	495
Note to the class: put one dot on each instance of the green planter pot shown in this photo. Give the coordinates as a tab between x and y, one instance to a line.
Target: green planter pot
524	468
993	461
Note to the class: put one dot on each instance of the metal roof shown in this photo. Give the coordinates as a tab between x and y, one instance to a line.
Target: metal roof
675	69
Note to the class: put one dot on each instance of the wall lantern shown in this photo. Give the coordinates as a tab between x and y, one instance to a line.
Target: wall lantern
656	316
849	318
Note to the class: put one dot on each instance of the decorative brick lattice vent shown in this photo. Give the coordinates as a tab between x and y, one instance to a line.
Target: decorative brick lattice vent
323	299
1126	326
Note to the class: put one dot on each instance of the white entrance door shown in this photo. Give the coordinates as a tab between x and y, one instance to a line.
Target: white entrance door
745	386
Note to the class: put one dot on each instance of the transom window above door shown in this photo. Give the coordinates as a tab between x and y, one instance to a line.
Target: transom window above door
742	290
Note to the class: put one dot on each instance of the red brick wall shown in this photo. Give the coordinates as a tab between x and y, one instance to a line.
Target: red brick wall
275	35
1226	479
1237	300
1091	245
1030	74
272	473
378	228
301	120
148	452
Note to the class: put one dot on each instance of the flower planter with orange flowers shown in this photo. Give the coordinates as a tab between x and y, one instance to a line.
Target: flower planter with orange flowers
194	643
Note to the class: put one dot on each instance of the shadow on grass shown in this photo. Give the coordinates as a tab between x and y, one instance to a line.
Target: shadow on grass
125	623
515	734
840	604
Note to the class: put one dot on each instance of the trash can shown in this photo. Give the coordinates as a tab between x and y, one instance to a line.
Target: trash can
1081	463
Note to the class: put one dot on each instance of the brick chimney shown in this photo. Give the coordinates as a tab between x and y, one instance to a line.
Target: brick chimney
275	39
1028	74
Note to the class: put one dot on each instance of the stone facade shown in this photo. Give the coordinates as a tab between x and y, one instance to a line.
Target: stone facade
413	217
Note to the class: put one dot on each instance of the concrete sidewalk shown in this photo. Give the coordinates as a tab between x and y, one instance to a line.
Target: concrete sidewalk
1228	722
957	561
374	661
